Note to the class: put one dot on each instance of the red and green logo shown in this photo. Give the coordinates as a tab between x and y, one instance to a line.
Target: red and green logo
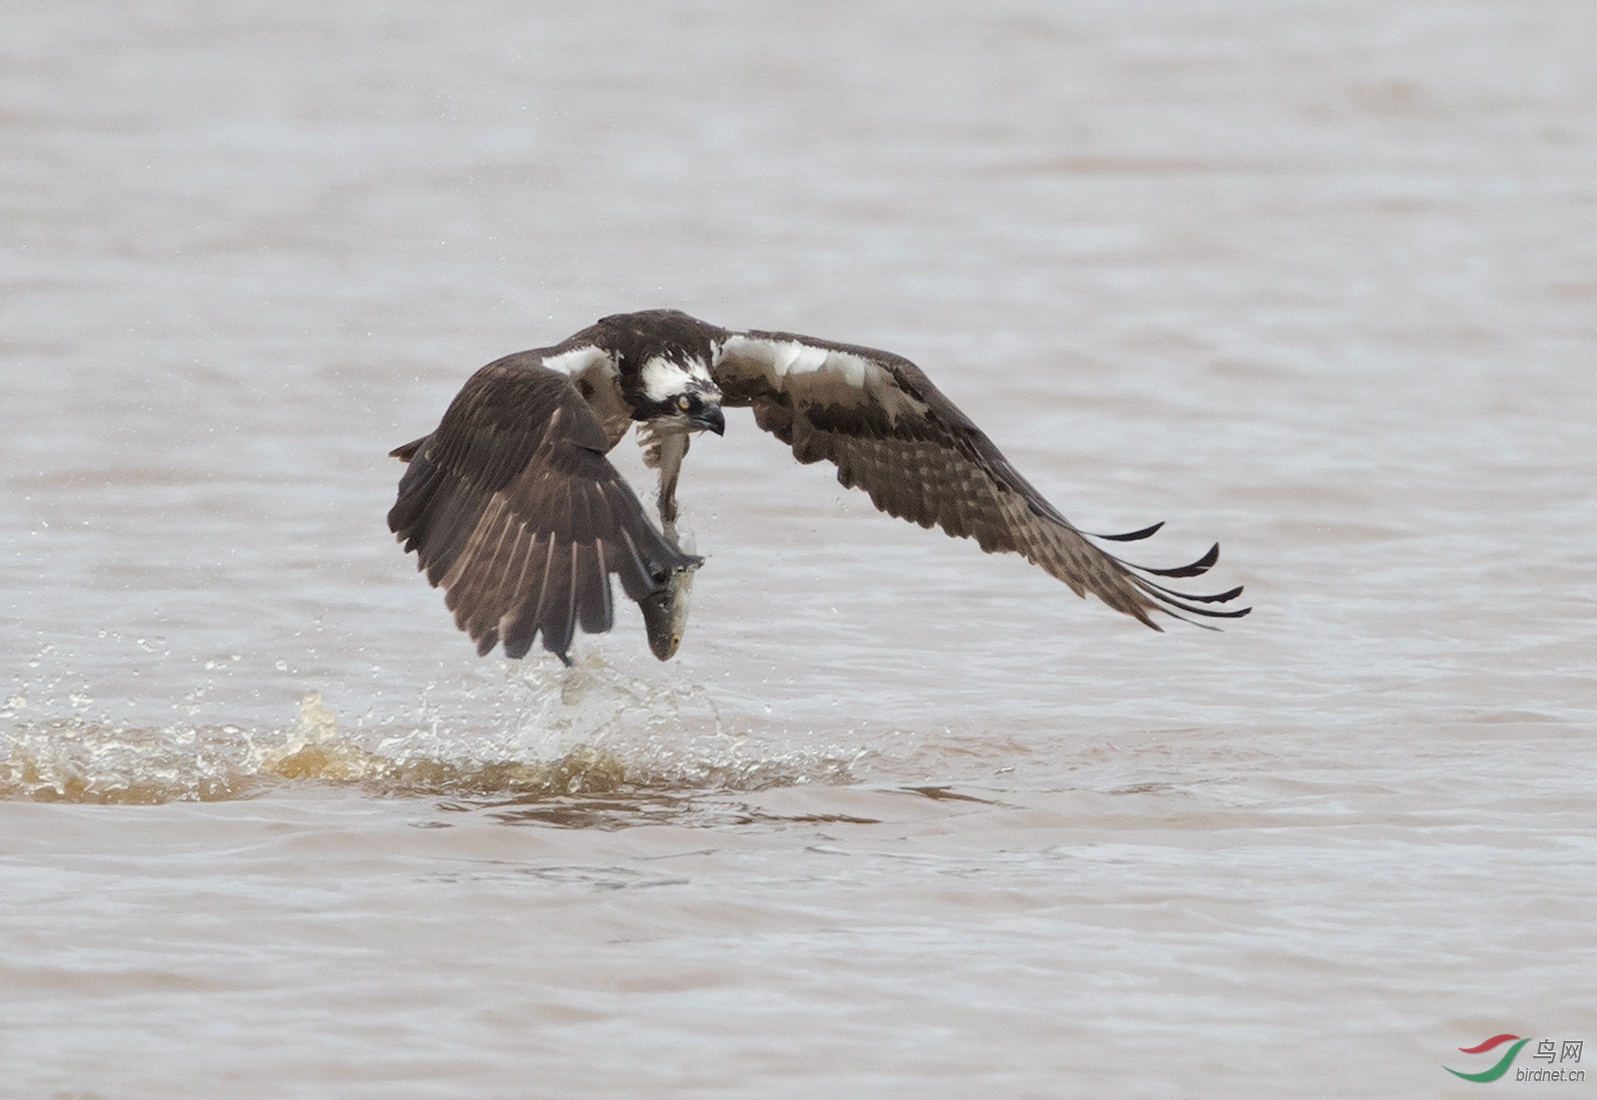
1550	1051
1502	1063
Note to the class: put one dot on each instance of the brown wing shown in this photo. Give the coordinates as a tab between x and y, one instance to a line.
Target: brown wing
892	433
514	510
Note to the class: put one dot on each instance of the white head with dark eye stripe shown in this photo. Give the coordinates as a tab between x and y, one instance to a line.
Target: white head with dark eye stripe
678	392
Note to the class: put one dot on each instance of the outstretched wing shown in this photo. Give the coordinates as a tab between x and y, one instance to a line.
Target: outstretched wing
514	510
892	433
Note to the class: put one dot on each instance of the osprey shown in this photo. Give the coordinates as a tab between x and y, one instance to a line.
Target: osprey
513	509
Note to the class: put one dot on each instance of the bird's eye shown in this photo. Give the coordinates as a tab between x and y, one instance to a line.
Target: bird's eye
683	402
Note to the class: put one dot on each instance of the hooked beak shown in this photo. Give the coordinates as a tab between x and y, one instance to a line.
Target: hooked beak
710	419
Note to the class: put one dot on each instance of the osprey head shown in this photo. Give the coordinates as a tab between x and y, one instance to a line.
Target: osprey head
664	358
678	393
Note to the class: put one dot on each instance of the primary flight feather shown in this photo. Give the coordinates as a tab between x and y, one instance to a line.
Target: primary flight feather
513	509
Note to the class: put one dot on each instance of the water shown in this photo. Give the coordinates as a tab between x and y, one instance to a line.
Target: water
900	819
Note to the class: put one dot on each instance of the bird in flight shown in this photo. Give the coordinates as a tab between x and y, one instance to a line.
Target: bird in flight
513	509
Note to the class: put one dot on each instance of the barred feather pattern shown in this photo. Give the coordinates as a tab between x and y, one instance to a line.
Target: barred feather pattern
892	433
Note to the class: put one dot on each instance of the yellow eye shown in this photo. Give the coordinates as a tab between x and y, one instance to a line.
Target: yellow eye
683	402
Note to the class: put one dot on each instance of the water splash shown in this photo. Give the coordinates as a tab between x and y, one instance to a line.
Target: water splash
556	733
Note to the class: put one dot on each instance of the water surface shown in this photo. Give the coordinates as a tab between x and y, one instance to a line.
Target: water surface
1315	280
